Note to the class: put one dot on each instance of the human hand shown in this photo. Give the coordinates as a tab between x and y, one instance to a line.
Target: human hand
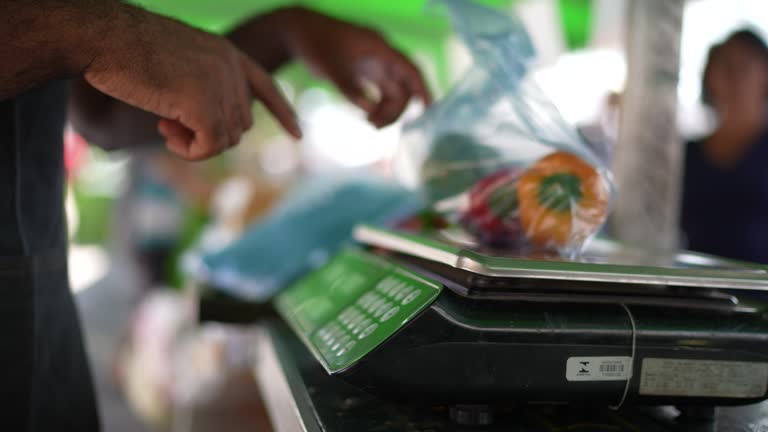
199	84
345	54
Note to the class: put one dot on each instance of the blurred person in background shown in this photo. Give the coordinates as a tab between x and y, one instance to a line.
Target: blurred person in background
141	78
725	186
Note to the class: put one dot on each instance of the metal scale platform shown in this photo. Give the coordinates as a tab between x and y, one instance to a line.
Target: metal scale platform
426	319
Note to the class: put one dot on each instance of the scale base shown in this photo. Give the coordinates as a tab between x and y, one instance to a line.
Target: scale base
472	415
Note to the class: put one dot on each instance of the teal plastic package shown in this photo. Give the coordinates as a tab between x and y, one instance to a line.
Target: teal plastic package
314	221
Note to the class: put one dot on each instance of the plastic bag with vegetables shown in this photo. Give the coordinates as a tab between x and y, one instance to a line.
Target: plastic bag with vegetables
495	156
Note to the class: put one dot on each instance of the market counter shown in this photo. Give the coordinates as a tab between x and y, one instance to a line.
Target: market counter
300	396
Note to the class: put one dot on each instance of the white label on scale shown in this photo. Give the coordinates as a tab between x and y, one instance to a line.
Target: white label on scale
703	378
598	369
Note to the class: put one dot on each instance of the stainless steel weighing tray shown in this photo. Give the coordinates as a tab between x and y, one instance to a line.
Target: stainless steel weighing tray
602	261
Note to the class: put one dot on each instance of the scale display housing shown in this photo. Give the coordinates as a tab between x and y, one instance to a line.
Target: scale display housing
429	323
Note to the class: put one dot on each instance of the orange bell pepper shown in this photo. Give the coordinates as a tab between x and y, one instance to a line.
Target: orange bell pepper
563	200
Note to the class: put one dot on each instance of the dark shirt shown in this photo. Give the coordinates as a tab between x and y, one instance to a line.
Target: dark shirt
31	171
725	210
46	384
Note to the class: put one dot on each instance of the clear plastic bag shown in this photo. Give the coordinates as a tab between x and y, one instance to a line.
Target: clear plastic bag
496	156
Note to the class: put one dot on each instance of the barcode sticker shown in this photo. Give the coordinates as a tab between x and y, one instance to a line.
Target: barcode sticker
703	378
612	368
598	369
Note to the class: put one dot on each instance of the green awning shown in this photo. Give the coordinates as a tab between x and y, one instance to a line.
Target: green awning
576	21
405	22
219	15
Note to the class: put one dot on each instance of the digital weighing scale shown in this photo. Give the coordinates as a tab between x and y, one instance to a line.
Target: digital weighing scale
416	317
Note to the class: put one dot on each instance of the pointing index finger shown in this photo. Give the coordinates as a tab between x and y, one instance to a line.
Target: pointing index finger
264	89
414	81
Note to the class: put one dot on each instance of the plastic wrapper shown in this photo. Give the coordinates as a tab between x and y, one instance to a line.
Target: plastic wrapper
495	156
315	220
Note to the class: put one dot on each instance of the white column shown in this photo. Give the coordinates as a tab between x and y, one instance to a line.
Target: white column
648	160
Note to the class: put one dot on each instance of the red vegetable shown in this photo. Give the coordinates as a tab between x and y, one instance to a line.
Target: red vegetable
493	213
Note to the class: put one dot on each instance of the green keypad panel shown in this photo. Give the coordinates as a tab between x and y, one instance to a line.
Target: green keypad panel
355	302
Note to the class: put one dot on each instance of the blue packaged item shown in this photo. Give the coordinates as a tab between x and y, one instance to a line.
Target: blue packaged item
314	221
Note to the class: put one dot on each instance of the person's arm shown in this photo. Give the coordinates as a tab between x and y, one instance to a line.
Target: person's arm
345	54
199	85
54	39
49	39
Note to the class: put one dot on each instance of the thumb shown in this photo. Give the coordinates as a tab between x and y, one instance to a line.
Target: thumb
355	93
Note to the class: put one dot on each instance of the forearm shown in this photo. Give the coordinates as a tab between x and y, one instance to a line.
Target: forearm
264	37
49	39
109	123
